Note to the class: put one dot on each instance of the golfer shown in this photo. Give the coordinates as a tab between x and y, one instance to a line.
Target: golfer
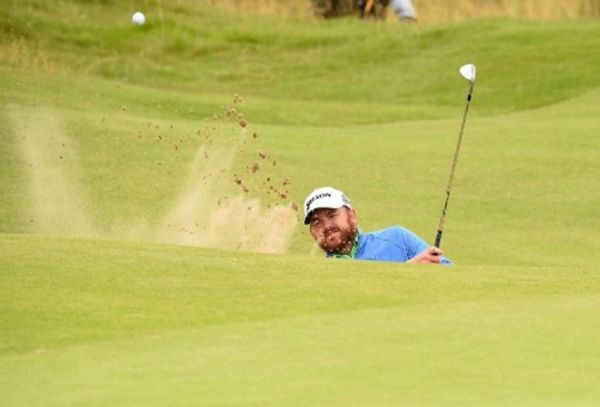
334	226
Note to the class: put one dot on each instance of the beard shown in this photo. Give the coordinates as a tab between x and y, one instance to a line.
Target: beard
338	240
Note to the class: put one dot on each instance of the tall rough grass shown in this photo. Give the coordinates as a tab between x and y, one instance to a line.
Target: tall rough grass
438	11
293	8
528	9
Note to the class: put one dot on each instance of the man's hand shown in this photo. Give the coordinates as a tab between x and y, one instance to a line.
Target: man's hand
429	256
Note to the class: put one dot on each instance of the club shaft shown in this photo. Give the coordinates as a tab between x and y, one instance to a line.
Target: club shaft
438	238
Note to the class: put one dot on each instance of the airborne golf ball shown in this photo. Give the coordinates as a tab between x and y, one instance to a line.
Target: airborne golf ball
138	18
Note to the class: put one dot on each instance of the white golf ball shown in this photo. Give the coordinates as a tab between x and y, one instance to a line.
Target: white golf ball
138	18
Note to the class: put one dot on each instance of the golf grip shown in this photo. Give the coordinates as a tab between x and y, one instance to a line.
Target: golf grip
438	238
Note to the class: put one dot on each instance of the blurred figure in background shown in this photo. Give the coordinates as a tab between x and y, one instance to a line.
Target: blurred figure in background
404	9
365	7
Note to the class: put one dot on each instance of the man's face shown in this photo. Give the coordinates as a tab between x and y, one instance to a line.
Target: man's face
334	230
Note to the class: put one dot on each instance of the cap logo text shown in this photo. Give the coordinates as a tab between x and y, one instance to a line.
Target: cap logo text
314	198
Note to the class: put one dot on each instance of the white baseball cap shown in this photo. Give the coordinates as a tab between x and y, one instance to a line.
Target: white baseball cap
325	197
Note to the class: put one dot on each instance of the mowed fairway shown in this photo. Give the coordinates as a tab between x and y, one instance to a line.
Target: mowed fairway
97	323
129	272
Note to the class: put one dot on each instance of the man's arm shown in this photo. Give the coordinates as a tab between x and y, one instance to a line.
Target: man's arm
419	251
429	256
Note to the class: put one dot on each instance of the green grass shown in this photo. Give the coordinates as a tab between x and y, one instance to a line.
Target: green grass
96	323
103	147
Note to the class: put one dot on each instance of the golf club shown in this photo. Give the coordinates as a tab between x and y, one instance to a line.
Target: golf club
468	72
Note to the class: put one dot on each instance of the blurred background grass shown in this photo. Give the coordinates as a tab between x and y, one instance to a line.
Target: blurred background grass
435	12
193	47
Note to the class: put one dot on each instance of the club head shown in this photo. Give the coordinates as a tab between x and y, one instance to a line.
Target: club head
468	72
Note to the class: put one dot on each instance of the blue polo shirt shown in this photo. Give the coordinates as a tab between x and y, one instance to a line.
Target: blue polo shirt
395	244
